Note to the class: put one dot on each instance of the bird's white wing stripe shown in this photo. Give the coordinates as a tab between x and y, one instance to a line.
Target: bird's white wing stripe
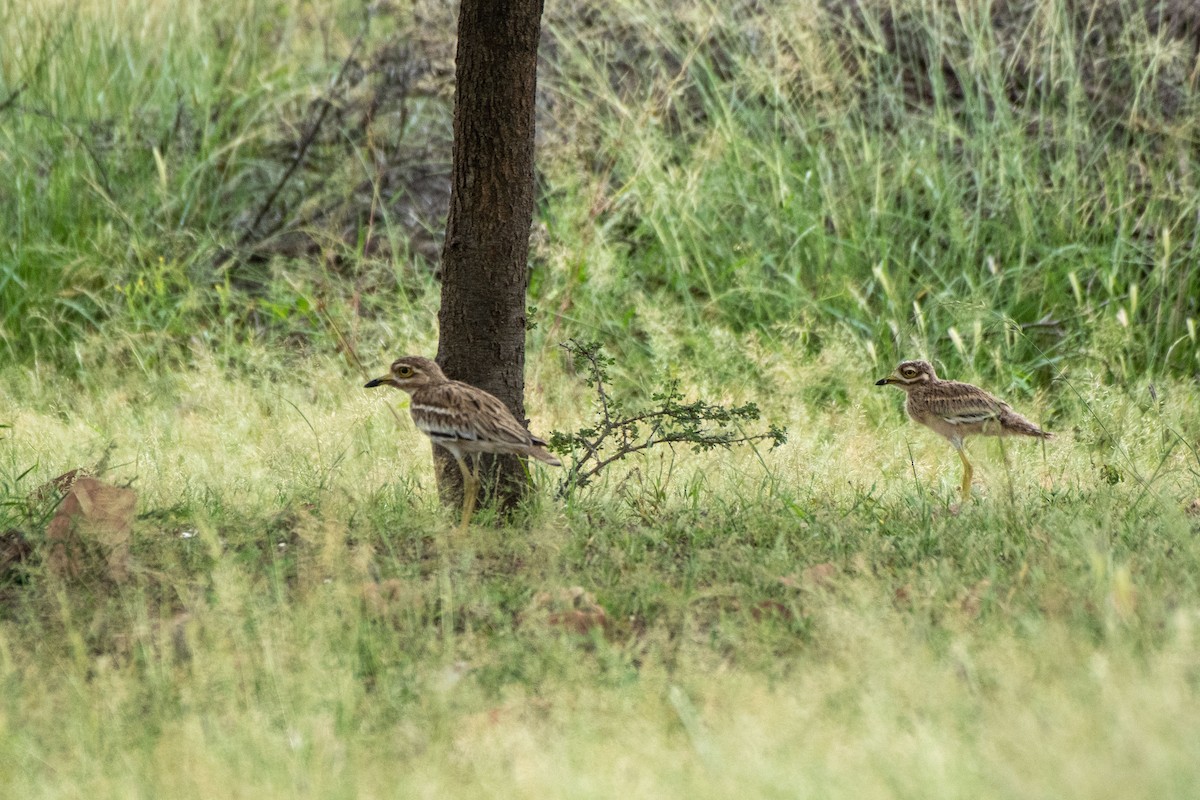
440	411
451	428
971	419
450	436
448	433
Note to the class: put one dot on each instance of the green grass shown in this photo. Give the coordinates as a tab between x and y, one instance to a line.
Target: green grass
781	168
1040	641
764	205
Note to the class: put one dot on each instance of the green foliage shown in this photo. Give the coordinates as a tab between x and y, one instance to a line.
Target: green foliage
1111	475
156	172
802	167
901	169
618	433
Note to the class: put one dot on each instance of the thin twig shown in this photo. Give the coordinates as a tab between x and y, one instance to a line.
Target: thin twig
325	105
12	97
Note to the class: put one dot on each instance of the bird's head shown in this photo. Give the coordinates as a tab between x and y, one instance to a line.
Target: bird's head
909	375
410	373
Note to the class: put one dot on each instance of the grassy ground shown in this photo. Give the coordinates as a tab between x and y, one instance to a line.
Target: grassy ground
762	207
302	619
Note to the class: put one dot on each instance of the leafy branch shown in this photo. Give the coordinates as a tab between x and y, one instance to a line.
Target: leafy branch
617	433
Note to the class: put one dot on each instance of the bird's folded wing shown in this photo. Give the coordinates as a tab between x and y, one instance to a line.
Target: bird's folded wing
441	422
963	404
460	411
497	424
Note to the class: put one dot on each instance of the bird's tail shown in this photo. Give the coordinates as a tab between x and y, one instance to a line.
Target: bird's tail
542	454
1015	423
537	449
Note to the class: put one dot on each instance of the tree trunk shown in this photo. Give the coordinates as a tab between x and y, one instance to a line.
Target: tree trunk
484	269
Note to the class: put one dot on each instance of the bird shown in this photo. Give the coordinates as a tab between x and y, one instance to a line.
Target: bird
462	419
956	410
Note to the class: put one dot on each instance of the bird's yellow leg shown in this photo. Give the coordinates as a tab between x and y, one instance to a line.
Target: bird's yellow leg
470	491
968	472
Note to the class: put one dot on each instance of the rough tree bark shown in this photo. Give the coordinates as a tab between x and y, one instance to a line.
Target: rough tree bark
484	259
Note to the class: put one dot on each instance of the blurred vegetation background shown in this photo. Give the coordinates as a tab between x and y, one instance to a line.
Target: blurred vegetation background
1009	187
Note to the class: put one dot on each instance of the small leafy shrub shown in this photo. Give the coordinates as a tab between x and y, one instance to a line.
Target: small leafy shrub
619	432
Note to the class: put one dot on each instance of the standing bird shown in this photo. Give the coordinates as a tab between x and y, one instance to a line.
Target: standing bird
462	419
956	410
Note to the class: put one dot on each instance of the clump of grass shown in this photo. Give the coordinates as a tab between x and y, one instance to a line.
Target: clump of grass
901	171
145	145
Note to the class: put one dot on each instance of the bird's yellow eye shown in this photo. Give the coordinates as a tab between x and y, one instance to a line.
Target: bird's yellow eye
908	372
404	372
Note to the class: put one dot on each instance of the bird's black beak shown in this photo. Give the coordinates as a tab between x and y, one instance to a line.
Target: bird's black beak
377	382
880	382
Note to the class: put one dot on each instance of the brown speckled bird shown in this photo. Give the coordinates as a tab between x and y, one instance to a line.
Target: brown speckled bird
461	418
957	410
